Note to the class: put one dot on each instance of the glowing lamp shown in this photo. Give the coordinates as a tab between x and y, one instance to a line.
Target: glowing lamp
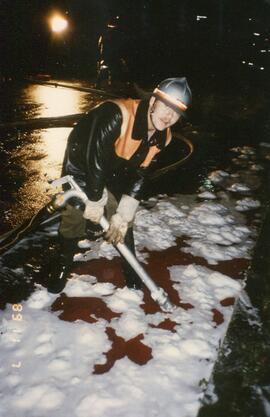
58	24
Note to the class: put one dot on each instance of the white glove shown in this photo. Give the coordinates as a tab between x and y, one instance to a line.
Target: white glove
94	209
117	230
125	213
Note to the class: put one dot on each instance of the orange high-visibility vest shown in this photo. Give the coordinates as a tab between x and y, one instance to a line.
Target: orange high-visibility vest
125	146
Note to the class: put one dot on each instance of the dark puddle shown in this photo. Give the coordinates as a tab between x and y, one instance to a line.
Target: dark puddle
226	302
167	324
134	349
218	317
88	309
104	270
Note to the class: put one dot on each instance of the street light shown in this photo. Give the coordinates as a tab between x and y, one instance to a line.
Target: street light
58	23
59	26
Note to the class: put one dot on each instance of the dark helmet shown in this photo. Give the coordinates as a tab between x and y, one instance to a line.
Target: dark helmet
174	92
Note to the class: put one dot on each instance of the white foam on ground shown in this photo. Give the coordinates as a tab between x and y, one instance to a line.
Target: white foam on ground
218	176
212	229
238	188
247	204
47	364
207	195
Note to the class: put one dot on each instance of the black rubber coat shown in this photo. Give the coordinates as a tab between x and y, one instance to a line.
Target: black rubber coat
90	154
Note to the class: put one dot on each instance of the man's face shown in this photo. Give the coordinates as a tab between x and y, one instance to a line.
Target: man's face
161	115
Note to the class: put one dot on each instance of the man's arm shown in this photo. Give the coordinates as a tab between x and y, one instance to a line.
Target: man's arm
88	154
105	129
89	146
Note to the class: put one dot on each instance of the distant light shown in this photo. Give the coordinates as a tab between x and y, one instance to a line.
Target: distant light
58	23
253	44
249	19
243	62
261	68
256	34
263	50
251	64
201	17
113	24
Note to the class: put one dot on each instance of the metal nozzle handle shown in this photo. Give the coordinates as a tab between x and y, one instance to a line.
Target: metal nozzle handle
157	293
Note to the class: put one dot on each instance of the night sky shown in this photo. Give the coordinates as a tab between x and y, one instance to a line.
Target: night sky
156	38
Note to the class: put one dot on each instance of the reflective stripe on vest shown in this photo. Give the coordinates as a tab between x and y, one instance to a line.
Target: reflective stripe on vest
125	146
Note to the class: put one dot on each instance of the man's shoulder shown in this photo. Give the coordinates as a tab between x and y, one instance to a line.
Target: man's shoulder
117	109
127	105
108	107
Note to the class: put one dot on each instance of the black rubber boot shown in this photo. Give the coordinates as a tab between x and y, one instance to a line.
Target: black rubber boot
60	267
131	277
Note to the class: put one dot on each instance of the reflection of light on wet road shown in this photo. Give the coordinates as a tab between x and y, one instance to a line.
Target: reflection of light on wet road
41	160
53	144
41	155
56	101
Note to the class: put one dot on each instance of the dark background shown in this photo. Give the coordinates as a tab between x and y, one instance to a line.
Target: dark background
157	38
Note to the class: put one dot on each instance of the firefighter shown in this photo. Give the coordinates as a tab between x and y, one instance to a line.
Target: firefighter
110	154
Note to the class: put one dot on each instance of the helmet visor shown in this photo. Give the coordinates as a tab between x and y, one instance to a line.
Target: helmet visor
170	101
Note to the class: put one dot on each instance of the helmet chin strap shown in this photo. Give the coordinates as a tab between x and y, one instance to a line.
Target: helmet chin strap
153	124
151	111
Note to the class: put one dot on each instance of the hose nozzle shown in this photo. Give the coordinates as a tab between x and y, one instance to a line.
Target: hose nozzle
161	297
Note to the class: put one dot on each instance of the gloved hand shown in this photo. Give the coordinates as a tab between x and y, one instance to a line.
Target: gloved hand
119	222
117	230
93	212
94	209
